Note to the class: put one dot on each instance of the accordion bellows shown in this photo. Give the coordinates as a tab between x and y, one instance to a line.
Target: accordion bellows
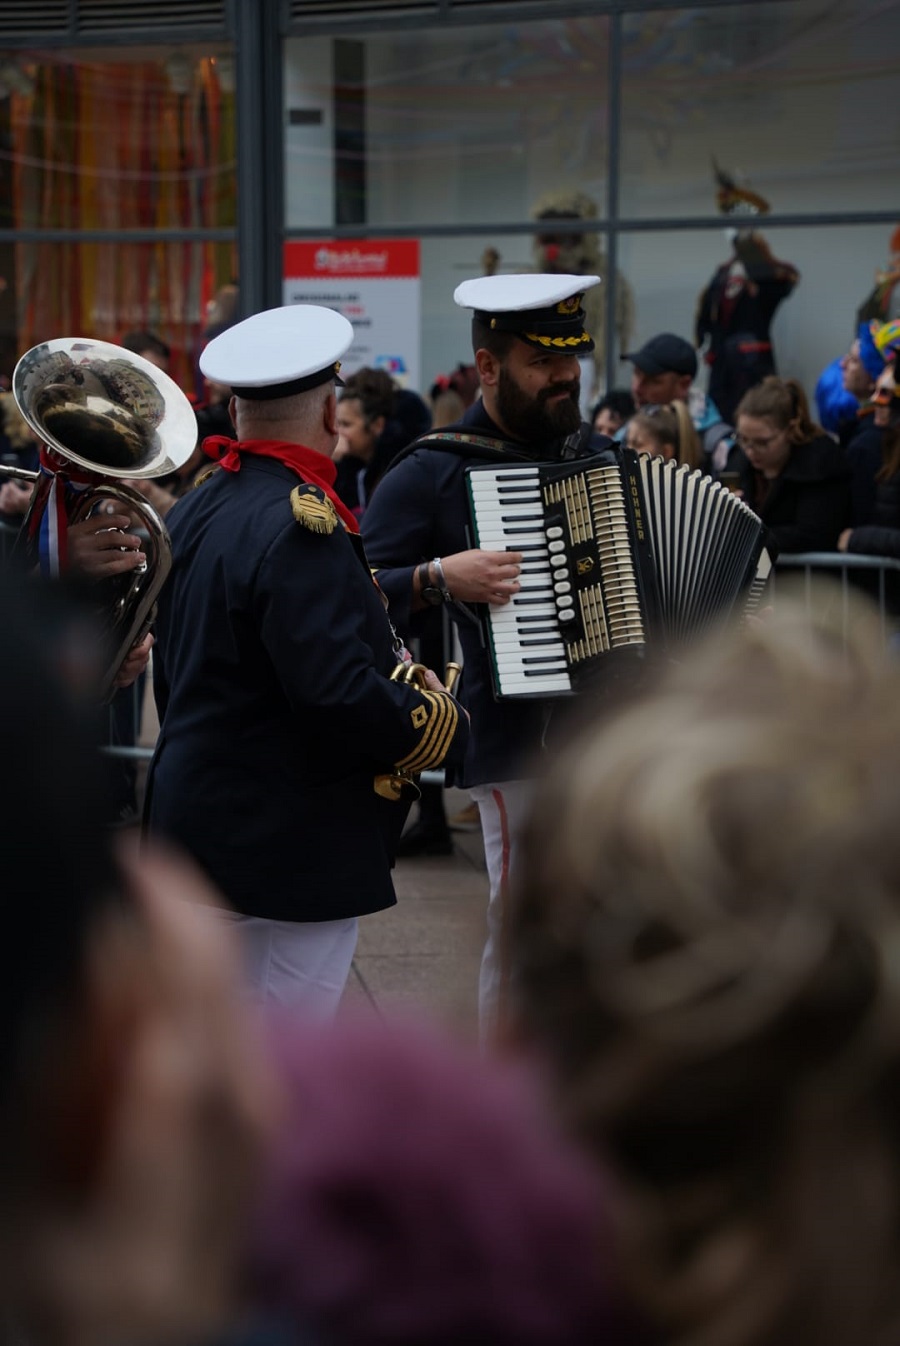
623	551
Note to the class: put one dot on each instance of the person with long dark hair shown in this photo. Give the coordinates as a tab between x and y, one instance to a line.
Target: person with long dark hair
796	477
376	419
135	1097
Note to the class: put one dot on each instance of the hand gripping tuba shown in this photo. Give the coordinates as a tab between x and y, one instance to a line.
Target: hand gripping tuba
104	414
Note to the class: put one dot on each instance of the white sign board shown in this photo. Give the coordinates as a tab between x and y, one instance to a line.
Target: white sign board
375	283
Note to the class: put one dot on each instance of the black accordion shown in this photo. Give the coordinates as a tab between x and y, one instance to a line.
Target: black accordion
620	552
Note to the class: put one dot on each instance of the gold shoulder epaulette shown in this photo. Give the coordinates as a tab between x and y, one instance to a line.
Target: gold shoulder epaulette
436	721
312	508
205	476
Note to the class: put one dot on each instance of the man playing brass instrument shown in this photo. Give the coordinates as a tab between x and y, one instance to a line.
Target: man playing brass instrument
273	671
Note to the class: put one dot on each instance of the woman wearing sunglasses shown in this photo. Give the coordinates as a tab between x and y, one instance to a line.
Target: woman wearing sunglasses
796	477
881	537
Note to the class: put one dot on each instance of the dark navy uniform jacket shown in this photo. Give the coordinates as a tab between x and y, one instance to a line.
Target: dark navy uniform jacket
271	673
420	511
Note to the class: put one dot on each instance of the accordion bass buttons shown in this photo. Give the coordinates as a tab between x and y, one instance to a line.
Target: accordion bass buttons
564	609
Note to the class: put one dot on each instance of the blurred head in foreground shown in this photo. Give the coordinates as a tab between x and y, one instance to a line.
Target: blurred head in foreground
420	1197
131	1102
707	946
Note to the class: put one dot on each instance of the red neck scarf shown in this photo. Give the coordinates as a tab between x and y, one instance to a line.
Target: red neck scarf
309	464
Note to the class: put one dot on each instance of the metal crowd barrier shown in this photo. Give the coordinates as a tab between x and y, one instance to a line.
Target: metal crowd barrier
849	573
840	567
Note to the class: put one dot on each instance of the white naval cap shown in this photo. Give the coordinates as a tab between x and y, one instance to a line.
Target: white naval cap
543	309
279	352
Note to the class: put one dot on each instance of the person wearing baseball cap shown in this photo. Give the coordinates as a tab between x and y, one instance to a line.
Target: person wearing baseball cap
664	369
528	334
663	372
285	743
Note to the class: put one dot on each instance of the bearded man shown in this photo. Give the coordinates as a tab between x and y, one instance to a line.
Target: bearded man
528	335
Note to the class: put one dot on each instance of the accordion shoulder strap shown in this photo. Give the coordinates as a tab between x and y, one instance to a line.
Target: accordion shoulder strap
464	445
487	449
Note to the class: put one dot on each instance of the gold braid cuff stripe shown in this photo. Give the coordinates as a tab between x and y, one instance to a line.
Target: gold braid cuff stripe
558	341
436	736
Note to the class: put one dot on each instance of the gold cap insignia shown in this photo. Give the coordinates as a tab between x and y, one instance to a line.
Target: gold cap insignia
311	507
570	305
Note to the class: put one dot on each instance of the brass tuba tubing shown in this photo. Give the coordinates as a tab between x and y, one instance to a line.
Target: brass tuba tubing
122	418
133	612
411	673
20	473
415	674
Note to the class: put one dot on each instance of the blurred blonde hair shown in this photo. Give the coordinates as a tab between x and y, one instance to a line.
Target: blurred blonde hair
446	408
671	424
14	425
706	945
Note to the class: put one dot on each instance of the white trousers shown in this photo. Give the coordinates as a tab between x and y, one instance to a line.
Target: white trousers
502	808
297	964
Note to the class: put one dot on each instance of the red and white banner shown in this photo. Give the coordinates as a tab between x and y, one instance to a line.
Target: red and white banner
376	284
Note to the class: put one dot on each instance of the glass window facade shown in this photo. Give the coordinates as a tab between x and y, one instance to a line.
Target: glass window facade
812	326
119	166
118	195
444	126
462	134
799	98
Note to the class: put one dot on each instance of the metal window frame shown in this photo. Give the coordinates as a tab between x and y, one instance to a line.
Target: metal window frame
75	33
451	13
258	28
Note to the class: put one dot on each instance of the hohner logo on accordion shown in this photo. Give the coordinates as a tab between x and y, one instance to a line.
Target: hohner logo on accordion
619	551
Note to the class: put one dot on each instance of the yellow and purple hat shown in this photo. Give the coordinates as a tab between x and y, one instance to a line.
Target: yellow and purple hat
886	338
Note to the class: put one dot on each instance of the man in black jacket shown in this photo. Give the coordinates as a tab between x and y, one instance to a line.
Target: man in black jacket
284	741
527	334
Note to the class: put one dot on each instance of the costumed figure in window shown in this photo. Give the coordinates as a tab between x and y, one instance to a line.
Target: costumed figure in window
561	247
883	303
737	307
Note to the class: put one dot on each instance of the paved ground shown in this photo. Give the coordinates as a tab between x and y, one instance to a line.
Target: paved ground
425	952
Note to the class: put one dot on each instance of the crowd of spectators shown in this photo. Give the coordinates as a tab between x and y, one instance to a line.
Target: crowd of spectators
811	483
684	1130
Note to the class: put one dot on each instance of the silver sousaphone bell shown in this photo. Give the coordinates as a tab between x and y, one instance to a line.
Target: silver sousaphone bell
104	413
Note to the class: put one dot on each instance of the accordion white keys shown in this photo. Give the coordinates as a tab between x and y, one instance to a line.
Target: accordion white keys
620	552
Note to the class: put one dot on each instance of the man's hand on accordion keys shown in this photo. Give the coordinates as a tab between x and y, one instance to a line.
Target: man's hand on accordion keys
478	576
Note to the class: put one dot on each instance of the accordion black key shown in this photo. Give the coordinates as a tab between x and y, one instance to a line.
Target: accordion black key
620	552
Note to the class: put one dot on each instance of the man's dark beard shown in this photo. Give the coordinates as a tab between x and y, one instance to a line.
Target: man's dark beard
530	419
